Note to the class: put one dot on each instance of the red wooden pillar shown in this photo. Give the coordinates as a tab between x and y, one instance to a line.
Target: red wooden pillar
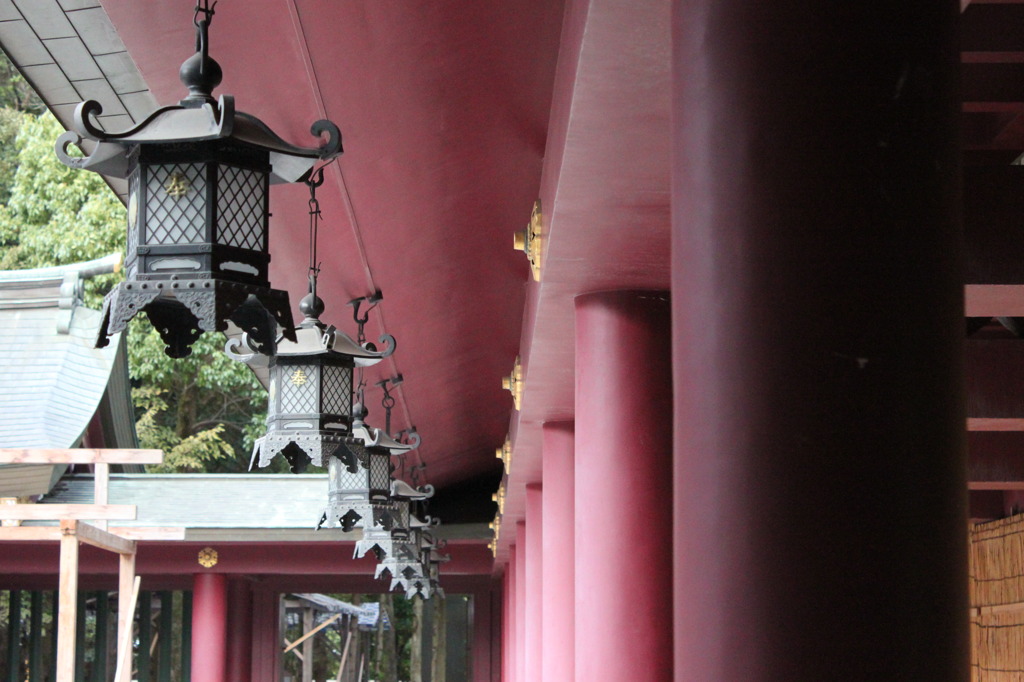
481	622
558	540
534	584
266	641
818	326
509	649
623	492
209	627
520	661
240	632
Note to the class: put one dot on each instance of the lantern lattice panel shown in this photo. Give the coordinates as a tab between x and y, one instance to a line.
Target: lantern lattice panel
299	390
401	515
380	473
176	204
337	390
346	480
241	194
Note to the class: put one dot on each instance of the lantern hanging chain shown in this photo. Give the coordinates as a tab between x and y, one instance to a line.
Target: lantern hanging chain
207	11
361	320
315	180
387	402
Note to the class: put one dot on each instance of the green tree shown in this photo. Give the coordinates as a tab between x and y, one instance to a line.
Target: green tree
15	92
203	411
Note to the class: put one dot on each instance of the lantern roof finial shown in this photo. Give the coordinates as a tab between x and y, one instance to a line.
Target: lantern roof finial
201	73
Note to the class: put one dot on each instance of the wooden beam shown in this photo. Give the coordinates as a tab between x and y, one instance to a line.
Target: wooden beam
994	300
67	615
125	613
50	512
51	533
312	632
91	535
29	533
168	533
79	456
995	424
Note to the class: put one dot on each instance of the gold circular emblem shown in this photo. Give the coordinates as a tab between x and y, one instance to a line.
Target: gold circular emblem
133	209
207	557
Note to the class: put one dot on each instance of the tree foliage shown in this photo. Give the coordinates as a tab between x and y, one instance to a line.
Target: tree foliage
203	411
15	92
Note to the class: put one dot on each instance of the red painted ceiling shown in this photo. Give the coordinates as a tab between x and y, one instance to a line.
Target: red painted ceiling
443	108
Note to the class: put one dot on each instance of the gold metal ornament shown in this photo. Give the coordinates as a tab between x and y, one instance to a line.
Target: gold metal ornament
207	557
504	453
177	185
529	240
513	383
298	377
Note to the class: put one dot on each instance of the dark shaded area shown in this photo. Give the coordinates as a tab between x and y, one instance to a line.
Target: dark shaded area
468	501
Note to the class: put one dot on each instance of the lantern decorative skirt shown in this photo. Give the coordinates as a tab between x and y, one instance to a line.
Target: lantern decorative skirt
309	385
361	492
198	175
394	538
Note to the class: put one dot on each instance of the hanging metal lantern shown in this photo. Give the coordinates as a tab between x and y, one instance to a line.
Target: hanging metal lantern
423	581
404	559
392	537
198	175
361	492
309	385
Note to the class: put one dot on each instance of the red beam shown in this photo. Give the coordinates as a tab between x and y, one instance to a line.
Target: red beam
284	559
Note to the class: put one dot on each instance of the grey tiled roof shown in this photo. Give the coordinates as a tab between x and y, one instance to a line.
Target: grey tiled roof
207	500
52	378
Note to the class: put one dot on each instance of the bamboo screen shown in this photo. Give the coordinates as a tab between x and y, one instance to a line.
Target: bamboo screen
997	601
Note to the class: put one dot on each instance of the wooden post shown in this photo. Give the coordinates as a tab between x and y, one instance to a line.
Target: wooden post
68	596
125	612
344	654
123	668
101	488
307	645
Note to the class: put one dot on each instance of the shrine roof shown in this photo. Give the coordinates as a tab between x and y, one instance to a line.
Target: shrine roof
53	379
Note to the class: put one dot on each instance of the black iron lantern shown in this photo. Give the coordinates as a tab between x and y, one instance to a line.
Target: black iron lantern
198	177
422	577
402	562
361	492
393	537
310	388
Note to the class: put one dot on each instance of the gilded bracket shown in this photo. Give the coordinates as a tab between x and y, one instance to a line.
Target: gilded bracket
529	241
504	453
513	383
